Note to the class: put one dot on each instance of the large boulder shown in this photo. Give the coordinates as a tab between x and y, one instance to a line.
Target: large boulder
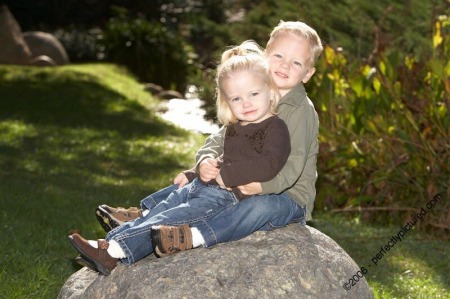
44	44
13	48
292	262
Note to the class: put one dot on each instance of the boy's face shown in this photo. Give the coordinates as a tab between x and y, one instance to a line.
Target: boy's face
248	96
289	57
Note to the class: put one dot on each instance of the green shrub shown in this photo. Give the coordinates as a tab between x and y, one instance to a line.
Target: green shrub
81	45
385	132
150	50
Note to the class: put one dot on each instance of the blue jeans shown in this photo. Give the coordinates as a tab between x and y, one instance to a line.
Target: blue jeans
194	202
235	227
154	199
217	213
259	212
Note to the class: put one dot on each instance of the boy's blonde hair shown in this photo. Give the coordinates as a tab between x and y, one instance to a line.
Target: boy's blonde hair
246	57
301	30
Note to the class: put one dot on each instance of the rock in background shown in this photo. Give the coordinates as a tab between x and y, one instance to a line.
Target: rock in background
291	262
46	44
29	48
13	48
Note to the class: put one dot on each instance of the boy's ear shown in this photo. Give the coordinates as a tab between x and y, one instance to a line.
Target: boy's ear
309	75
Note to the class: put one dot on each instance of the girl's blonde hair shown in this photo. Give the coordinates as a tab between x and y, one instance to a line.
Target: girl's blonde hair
246	57
301	30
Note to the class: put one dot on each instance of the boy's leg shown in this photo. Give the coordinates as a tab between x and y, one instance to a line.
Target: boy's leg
154	199
263	212
110	217
173	200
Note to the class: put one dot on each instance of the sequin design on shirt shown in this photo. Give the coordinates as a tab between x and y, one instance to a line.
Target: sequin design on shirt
257	139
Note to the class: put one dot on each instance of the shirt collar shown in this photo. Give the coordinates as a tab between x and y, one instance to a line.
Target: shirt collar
295	97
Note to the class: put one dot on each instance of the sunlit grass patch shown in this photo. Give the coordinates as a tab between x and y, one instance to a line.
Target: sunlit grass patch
416	267
72	138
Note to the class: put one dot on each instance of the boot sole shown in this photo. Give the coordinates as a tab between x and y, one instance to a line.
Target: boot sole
85	263
107	222
156	239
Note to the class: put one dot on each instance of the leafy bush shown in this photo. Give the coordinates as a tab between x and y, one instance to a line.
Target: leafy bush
385	131
81	45
149	49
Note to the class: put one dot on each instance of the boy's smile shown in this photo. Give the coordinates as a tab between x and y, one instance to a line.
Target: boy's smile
289	57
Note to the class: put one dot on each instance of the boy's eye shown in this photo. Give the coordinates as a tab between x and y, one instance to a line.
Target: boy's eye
277	55
254	94
297	63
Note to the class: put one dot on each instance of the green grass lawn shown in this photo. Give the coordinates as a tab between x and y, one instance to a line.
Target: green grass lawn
72	138
77	136
416	267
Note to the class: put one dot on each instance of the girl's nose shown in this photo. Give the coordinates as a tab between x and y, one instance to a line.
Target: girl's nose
246	103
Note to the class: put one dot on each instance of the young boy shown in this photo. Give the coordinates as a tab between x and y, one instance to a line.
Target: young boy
292	50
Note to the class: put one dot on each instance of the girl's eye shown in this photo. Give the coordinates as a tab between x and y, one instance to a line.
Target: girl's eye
254	94
234	100
277	55
297	63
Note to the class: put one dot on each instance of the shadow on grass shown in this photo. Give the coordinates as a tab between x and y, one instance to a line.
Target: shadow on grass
75	100
67	144
57	123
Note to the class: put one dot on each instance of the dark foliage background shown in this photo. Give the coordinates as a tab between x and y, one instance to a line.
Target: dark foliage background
361	28
381	88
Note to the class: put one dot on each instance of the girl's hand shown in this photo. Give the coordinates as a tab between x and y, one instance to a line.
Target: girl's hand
208	169
181	179
220	181
251	188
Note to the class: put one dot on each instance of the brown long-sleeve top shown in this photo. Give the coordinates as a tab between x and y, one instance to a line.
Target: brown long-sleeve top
252	153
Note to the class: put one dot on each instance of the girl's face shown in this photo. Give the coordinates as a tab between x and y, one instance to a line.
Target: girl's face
248	96
289	57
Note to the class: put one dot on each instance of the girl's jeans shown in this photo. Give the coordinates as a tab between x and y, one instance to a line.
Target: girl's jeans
216	212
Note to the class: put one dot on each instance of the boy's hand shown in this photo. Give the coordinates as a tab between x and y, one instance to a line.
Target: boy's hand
208	169
251	188
181	179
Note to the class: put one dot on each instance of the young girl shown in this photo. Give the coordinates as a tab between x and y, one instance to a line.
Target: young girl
256	147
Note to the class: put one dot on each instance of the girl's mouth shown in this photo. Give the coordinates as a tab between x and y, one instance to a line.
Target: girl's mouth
249	112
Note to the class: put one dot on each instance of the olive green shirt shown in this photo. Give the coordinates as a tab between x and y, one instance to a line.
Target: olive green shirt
298	176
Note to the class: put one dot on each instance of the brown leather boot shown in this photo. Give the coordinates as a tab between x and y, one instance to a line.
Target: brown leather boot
110	218
168	240
97	257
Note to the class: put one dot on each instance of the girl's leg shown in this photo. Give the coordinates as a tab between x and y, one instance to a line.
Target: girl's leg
201	202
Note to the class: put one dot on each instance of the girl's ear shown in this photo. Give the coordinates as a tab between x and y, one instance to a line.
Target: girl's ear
309	75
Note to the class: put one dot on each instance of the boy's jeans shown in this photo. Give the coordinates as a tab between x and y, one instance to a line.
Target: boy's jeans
218	215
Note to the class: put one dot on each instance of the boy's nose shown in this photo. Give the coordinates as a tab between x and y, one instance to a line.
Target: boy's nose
284	64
